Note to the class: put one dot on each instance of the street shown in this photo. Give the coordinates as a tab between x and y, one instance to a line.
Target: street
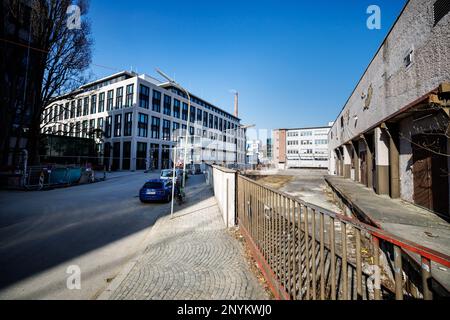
98	227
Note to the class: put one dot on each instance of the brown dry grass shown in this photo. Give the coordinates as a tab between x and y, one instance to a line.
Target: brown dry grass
253	265
275	181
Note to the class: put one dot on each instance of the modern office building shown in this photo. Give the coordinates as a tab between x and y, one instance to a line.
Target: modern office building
301	147
138	120
393	133
19	87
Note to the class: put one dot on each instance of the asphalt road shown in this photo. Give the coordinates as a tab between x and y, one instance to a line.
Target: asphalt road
97	227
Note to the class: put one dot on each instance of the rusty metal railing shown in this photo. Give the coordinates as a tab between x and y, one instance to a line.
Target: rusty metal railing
307	252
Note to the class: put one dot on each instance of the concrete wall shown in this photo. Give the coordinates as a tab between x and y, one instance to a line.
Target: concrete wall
387	83
223	182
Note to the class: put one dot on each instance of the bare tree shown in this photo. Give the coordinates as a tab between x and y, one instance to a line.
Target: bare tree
63	60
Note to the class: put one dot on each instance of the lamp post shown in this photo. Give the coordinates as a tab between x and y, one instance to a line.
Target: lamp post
171	81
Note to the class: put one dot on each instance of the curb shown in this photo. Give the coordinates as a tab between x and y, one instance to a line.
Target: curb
125	270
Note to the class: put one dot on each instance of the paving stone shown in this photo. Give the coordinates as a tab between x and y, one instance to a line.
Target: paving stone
191	257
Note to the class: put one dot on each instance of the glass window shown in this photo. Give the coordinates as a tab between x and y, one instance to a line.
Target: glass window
86	106
119	98
176	128
211	119
109	101
79	107
155	127
128	124
101	102
130	93
144	96
192	115
184	114
67	111
61	112
108	126
199	115
99	127
91	127
77	129
141	155
166	130
167	105
94	104
156	101
176	108
117	125
205	118
143	125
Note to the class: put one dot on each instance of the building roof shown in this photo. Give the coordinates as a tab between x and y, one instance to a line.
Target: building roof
167	85
305	128
113	76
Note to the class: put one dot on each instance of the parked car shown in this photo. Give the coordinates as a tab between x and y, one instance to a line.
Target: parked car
156	190
167	174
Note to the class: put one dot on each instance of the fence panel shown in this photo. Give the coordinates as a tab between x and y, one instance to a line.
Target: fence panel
307	252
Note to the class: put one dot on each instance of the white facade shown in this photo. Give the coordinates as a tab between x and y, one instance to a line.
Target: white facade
254	151
307	147
141	119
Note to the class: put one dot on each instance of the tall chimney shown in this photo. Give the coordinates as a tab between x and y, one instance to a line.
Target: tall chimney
236	104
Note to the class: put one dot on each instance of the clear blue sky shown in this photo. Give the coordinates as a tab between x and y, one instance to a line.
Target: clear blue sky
295	63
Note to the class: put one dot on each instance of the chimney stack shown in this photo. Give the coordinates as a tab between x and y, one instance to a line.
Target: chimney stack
236	104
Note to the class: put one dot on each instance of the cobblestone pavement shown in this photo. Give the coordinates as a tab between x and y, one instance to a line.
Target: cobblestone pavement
192	256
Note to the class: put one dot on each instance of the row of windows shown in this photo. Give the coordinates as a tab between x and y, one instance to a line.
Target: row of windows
306	133
89	105
180	110
105	101
202	103
307	151
168	127
307	142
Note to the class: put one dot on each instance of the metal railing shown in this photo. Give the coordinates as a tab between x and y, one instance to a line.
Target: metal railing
307	252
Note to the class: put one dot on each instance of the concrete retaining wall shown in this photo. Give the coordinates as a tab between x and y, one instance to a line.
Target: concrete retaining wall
223	181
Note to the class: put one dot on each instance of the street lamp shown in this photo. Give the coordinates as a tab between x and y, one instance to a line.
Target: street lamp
188	118
172	82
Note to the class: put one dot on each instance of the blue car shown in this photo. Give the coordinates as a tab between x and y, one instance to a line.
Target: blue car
156	190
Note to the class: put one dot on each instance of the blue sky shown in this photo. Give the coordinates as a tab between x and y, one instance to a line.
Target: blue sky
294	63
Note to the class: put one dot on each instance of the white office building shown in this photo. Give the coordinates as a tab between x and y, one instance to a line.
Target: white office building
142	119
302	147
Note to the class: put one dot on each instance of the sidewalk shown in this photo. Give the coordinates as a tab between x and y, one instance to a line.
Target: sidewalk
191	256
120	174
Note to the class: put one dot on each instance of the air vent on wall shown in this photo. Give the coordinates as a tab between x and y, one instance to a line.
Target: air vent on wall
441	8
